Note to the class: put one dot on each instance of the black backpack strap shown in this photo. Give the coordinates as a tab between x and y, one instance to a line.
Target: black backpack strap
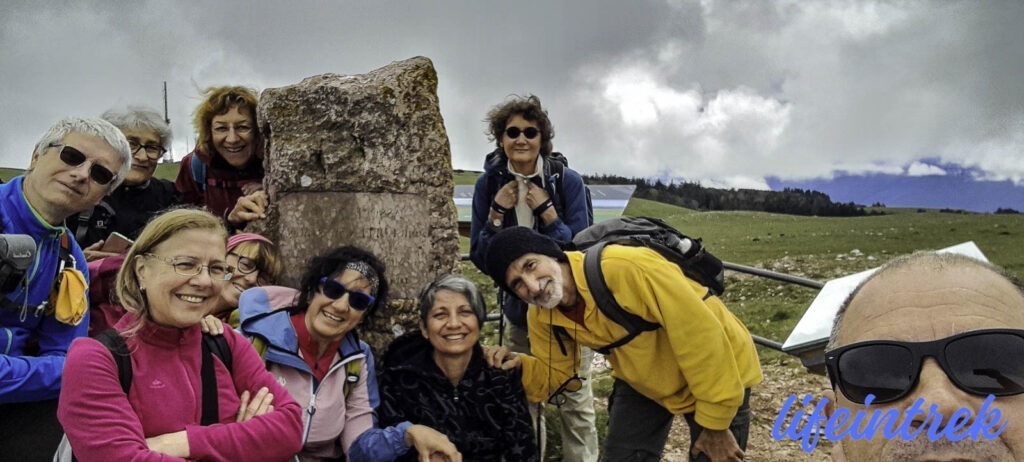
213	345
556	168
634	325
111	339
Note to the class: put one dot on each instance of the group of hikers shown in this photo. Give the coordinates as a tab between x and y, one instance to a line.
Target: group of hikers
181	345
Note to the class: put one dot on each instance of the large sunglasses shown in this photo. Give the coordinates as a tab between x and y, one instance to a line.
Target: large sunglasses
73	157
334	290
982	362
530	132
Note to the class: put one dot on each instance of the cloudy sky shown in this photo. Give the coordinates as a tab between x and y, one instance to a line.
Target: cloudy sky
725	92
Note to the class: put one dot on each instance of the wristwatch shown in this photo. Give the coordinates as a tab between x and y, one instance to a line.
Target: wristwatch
495	224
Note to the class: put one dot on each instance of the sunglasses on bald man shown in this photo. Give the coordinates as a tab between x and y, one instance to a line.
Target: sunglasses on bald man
982	362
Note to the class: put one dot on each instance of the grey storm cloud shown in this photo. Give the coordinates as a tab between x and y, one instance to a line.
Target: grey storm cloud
728	93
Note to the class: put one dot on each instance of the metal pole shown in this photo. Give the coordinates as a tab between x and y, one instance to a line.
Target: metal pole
773	275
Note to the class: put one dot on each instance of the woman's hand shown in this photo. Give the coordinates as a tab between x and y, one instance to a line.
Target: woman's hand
248	208
508	195
173	444
431	444
250	188
212	325
502	358
260	404
535	196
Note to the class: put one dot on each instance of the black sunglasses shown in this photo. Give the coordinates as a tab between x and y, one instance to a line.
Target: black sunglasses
74	158
530	132
982	362
572	384
334	290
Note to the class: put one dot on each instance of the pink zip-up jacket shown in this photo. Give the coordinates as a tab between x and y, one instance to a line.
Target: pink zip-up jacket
103	424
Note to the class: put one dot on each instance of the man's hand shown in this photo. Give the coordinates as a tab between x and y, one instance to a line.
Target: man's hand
248	208
431	444
93	252
502	358
260	404
718	445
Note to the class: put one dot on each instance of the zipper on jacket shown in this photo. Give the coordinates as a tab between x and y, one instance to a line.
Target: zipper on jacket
314	389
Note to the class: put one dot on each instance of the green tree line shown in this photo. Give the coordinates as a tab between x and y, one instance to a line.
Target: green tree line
791	201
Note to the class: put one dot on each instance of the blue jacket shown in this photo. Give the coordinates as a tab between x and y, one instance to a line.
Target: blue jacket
573	218
32	348
264	313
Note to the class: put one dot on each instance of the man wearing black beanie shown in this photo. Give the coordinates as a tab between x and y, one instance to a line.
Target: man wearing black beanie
700	363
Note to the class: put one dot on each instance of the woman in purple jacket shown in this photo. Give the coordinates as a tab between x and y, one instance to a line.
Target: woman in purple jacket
171	278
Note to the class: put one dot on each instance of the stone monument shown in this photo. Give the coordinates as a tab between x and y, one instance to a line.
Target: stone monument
363	160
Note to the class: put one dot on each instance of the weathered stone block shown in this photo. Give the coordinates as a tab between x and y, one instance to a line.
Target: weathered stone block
363	160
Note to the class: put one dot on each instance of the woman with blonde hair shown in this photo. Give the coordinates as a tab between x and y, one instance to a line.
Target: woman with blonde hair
171	279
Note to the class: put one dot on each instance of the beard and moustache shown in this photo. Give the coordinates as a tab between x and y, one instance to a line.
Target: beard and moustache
549	295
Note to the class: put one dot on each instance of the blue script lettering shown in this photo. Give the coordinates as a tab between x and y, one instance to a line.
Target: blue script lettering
893	423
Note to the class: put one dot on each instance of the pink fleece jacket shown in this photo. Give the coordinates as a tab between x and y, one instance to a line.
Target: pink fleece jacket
103	424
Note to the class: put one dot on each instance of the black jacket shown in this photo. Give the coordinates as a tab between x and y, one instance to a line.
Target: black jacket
126	210
485	416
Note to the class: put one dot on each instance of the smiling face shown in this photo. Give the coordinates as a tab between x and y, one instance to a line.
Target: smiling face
451	326
537	280
175	300
243	256
142	166
233	136
925	304
522	152
329	320
57	190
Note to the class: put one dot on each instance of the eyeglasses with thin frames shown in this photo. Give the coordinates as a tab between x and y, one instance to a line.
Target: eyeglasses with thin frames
153	151
572	384
248	266
188	266
73	158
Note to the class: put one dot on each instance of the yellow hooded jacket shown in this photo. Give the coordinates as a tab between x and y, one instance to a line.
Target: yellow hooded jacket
700	360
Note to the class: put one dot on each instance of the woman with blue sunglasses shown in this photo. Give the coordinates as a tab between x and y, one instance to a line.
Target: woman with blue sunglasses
309	342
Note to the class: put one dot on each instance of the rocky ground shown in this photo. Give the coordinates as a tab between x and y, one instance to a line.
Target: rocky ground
783	377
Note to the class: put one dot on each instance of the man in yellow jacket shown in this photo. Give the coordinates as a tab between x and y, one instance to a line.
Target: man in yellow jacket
700	363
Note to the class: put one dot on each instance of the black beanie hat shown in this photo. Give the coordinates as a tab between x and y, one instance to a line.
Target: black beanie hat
511	243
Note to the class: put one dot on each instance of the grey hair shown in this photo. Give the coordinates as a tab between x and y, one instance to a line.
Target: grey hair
94	127
930	260
454	283
140	118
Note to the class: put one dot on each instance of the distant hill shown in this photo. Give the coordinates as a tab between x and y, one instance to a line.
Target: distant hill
791	201
957	189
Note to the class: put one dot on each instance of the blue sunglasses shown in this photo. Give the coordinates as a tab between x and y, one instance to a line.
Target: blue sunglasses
334	290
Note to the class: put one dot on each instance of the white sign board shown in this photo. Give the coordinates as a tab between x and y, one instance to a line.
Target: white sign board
816	324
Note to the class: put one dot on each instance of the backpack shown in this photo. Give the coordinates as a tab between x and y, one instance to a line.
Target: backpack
554	166
686	252
213	345
199	176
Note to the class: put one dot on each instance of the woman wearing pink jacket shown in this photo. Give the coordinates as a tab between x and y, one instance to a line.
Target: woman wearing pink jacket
171	278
